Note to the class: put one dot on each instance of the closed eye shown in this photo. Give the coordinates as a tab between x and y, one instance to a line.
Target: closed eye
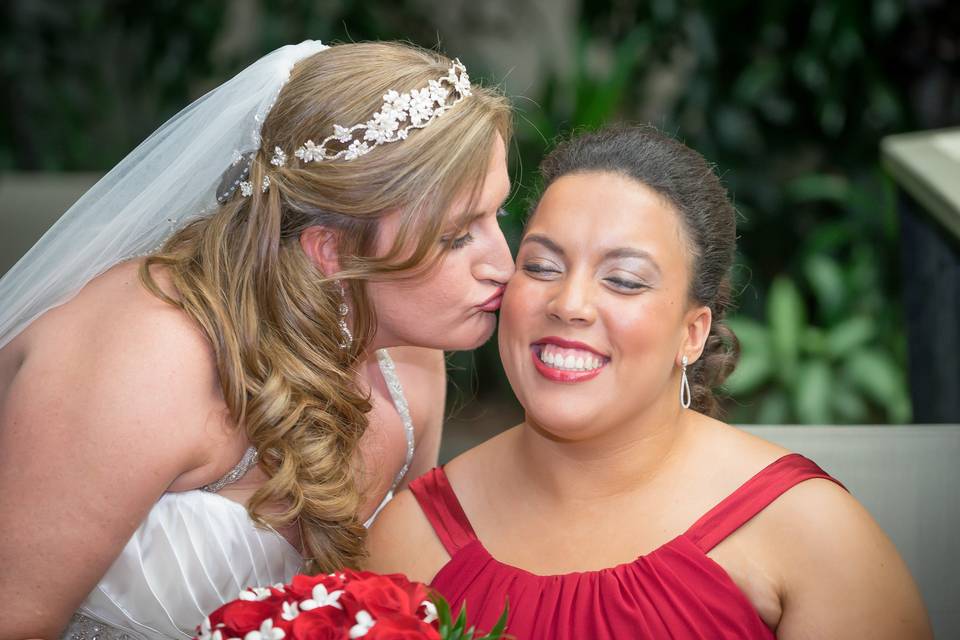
462	241
630	285
535	268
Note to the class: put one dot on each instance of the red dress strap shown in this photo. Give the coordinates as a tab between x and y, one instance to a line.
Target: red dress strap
752	498
442	509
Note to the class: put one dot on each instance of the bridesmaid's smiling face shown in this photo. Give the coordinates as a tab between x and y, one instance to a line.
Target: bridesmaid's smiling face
594	321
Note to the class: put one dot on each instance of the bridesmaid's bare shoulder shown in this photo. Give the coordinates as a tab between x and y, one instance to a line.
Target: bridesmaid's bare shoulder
727	453
402	540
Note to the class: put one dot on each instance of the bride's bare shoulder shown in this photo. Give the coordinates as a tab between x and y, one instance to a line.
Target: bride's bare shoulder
114	317
115	360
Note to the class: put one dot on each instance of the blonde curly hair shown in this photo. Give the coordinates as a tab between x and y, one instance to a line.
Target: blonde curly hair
272	316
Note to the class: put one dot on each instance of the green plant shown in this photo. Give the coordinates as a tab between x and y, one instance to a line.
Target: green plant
788	99
457	629
792	370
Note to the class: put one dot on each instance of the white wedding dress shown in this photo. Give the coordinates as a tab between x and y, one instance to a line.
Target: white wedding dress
195	551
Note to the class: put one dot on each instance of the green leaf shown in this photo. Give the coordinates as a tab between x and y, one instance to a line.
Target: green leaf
826	279
812	392
758	79
774	408
497	632
814	341
787	316
848	405
444	619
753	336
830	237
752	371
597	102
754	367
817	187
460	625
849	335
875	373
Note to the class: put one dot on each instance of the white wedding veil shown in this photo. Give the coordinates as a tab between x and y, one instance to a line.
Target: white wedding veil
167	180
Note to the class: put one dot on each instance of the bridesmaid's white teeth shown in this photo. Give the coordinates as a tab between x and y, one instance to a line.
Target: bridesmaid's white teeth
569	359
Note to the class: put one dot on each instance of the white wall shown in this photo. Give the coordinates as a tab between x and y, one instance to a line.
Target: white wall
908	477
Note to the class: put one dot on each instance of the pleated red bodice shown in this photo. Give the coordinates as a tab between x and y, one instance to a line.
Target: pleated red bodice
675	591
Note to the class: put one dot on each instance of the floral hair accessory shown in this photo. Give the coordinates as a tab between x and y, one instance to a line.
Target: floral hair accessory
398	115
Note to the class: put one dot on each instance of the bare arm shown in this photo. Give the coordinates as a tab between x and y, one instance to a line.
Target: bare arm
841	575
95	427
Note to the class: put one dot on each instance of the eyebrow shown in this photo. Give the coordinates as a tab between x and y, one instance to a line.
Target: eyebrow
613	254
543	240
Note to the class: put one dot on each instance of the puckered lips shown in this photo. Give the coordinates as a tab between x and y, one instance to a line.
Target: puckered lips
567	361
493	302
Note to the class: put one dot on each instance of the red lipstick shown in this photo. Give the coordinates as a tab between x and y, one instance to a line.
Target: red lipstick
559	375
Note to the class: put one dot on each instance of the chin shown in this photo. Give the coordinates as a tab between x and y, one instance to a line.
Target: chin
463	337
561	422
469	343
473	334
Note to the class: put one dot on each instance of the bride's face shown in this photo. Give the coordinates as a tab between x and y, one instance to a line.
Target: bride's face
452	306
593	323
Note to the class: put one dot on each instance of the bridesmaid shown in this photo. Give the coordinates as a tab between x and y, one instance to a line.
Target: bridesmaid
621	507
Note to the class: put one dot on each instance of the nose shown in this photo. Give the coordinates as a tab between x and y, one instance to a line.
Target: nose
495	263
571	301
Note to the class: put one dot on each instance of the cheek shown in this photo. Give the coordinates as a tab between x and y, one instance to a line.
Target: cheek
441	289
521	301
646	332
523	305
434	309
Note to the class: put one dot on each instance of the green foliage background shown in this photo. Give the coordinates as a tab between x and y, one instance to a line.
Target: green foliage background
788	99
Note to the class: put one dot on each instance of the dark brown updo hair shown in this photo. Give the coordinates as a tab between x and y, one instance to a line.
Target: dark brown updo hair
687	181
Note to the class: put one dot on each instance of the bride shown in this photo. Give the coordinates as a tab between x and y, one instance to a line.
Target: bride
196	391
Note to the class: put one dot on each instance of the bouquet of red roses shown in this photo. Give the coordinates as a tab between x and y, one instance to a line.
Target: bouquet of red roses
341	606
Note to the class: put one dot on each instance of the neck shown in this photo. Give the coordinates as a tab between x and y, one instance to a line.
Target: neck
381	339
620	460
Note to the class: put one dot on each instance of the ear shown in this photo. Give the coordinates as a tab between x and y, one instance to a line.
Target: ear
697	323
320	244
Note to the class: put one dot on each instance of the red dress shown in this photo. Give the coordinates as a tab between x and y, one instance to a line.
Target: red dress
675	591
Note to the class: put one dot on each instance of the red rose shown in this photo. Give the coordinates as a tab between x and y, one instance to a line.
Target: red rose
323	623
417	591
383	595
242	616
401	627
302	586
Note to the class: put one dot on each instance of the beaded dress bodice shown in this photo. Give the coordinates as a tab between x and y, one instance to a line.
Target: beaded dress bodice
195	551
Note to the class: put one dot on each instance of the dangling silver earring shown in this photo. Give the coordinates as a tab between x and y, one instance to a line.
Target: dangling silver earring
346	337
685	396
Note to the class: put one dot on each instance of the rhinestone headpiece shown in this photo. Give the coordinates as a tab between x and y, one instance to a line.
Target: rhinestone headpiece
398	115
